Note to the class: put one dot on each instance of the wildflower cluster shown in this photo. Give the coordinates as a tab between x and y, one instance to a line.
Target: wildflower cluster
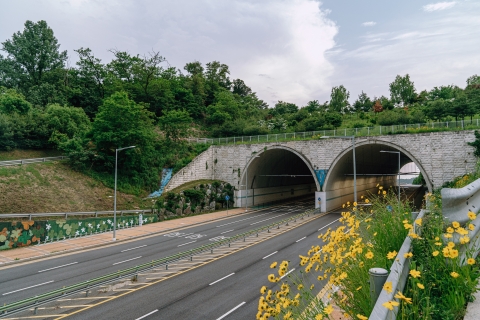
366	238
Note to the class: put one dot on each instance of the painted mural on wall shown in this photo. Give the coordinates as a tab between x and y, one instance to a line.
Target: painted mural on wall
15	234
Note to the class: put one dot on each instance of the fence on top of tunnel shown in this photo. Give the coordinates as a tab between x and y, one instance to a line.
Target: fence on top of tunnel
360	132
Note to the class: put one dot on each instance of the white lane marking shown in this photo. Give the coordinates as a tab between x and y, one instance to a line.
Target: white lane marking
286	274
328	224
231	274
126	260
227	231
68	264
144	316
259	215
133	248
41	284
226	314
271	254
278	215
300	239
186	243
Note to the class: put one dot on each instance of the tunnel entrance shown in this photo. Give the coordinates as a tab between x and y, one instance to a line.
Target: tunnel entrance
376	163
275	174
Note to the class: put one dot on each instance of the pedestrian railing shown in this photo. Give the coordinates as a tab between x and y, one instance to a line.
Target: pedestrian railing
67	214
133	271
27	161
361	132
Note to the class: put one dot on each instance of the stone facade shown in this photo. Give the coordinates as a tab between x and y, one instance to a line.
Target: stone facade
441	156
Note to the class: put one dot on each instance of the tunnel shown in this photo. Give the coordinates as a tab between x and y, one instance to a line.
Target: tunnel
275	174
376	164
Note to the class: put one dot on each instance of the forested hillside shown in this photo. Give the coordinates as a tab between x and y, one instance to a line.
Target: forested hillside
89	109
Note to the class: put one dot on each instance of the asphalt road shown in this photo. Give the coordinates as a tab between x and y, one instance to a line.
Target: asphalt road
26	280
227	288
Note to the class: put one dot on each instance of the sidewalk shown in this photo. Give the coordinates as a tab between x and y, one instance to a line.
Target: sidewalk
17	255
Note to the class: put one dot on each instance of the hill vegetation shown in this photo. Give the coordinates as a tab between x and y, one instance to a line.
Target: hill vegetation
92	108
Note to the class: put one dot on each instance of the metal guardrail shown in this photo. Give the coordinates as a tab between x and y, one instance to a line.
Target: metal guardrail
398	277
27	161
66	214
362	132
133	271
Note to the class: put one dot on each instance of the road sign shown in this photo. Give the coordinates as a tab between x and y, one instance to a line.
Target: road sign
227	198
319	199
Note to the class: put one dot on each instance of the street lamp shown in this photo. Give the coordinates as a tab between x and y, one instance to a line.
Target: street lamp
354	163
246	182
397	152
115	193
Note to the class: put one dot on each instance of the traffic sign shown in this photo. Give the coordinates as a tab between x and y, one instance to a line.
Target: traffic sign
227	197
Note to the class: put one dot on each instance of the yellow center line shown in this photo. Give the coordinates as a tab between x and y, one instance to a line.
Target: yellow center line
181	272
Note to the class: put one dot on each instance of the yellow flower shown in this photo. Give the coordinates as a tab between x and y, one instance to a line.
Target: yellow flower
390	304
319	316
263	289
419	221
359	288
300	287
447	235
392	255
312	286
369	255
400	295
435	253
415	273
384	192
450	230
361	317
455	224
471	215
421	286
408	255
273	265
388	286
451	244
471	227
271	278
355	204
367	201
454	274
470	261
328	309
438	243
464	240
437	239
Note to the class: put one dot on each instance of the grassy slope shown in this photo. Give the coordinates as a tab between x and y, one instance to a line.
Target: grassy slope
55	187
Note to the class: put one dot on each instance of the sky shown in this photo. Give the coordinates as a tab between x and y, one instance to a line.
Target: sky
289	50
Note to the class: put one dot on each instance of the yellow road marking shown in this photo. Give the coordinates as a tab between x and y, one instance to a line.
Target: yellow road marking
182	272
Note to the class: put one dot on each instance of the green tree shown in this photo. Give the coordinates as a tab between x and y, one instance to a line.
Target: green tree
65	123
363	103
339	99
282	108
312	106
12	101
31	55
402	90
437	109
176	124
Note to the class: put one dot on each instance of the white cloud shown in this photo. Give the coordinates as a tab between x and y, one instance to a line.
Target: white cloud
369	24
438	6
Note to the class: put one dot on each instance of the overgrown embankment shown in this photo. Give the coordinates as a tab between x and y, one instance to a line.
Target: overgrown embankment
55	187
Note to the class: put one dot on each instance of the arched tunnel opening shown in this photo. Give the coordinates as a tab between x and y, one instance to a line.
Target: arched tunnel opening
273	175
376	164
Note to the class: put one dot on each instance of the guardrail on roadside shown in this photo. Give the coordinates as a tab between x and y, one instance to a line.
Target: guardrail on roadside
398	277
26	161
66	214
133	271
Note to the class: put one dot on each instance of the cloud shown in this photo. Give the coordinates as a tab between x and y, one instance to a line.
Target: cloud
438	6
369	24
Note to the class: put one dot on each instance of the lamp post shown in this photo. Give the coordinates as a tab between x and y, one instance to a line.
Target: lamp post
354	162
246	182
397	152
115	193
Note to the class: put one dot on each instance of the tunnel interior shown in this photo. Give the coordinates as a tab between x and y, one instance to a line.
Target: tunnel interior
275	175
375	164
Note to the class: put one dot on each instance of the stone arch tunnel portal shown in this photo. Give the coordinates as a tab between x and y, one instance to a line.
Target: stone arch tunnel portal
275	174
377	163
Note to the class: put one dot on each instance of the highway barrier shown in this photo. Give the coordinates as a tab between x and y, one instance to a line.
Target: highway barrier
133	271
